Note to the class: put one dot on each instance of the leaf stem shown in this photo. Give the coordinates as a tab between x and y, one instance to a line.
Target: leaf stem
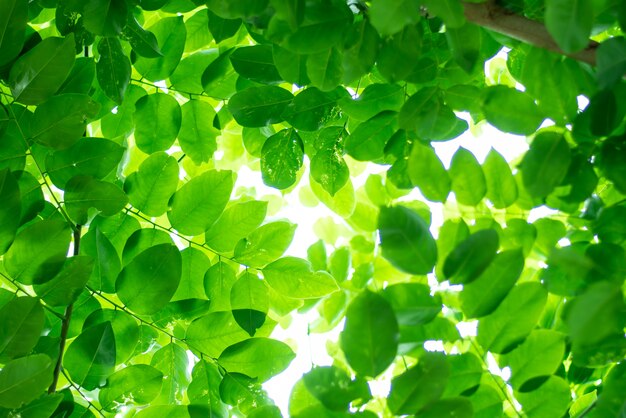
65	325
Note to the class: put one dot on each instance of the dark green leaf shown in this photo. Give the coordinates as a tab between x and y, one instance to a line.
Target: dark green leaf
471	257
609	226
12	28
149	188
612	160
142	41
39	73
104	17
170	33
113	69
255	63
611	61
221	28
465	43
24	379
90	358
334	389
258	106
158	119
85	192
125	330
290	65
511	110
160	267
10	208
570	23
259	358
406	241
281	158
311	109
412	303
545	165
427	172
38	252
23	320
139	382
450	11
374	99
367	142
67	285
197	134
611	402
200	202
369	339
249	302
324	69
61	121
219	78
107	262
391	16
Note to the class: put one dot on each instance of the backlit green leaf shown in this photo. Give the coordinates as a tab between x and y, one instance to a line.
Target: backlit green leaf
139	382
170	33
501	185
367	142
259	358
158	119
265	244
24	379
281	158
258	106
236	222
389	16
427	172
294	277
471	257
10	209
570	23
467	177
255	63
150	188
85	192
67	285
105	17
113	69
511	110
197	134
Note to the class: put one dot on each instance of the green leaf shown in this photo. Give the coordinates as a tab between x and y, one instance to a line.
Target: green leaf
511	110
172	361
31	195
219	78
311	109
406	241
266	244
218	282
546	163
160	266
465	44
67	285
139	382
39	73
44	406
329	169
389	16
459	407
367	142
324	69
12	28
466	371
85	192
197	136
158	119
512	321
501	185
38	252
570	23
90	358
258	358
213	333
281	158
611	402
236	222
142	41
374	99
291	65
113	69
95	157
81	77
221	28
107	262
22	380
370	336
249	302
540	355
485	293
195	266
467	178
170	33
104	17
450	11
611	57
10	208
258	106
242	8
427	172
197	34
294	277
200	202
256	63
125	330
420	385
613	162
61	121
23	319
334	389
551	399
412	303
149	188
205	387
242	391
471	257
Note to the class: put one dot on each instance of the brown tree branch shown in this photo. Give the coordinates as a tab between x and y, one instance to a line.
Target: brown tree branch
498	19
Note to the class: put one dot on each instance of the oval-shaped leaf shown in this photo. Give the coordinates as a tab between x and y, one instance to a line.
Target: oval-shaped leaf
170	33
260	358
546	163
113	69
281	158
10	209
24	379
158	119
149	188
468	180
511	110
197	136
23	320
471	257
294	277
85	192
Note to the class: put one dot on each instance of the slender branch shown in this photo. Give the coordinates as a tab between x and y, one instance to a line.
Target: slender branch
65	325
82	395
491	16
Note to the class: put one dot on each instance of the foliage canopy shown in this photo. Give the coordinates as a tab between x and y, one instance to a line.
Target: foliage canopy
139	276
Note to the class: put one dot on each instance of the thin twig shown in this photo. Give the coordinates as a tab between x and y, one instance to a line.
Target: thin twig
82	395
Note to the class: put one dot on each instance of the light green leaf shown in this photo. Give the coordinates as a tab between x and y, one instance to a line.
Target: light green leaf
281	158
218	281
501	185
200	202
107	261
294	277
367	142
90	358
172	361
471	257
391	16
170	33
511	110
343	203
265	244
412	303
329	169
465	44
22	380
468	180
197	136
312	109
39	73
10	208
38	252
406	241
61	121
570	23
236	222
125	330
197	34
85	192
427	172
370	336
373	100
249	302
513	320
419	386
113	69
546	163
324	69
159	267
258	106
334	389
138	382
149	188
484	295
205	387
158	119
212	333
551	399
260	358
14	15
450	11
23	320
195	266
